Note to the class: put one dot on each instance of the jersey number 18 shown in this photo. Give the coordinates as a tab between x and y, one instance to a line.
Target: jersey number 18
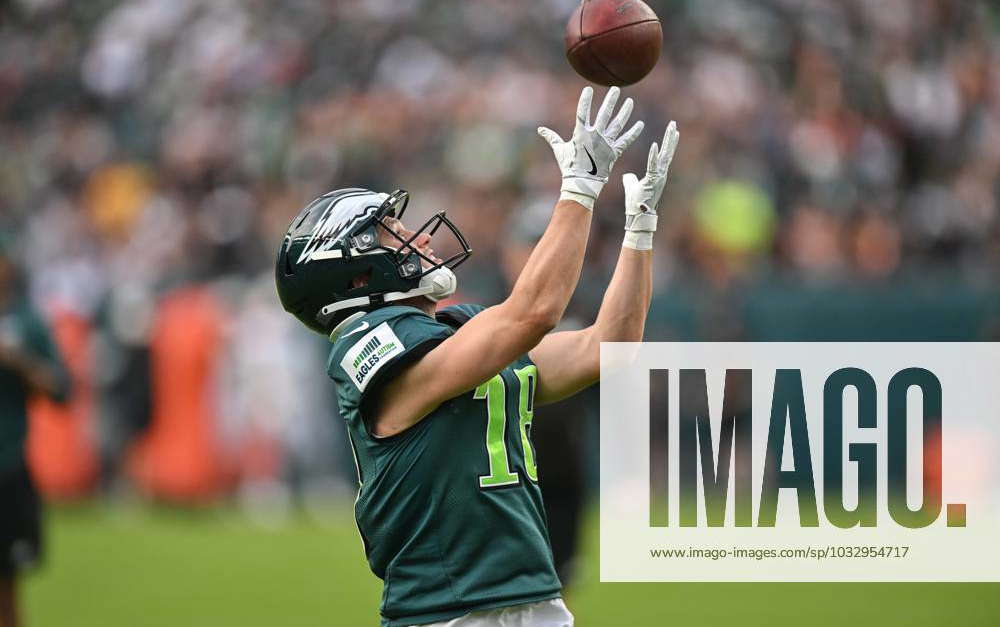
494	392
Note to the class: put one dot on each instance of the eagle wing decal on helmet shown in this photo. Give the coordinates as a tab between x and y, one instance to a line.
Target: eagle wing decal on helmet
333	224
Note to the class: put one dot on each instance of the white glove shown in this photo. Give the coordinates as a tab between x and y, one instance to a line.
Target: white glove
642	197
587	158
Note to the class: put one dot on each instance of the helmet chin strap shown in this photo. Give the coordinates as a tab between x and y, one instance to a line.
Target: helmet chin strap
435	285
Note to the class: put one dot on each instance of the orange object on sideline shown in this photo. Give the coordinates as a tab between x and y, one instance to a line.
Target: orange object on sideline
61	448
180	459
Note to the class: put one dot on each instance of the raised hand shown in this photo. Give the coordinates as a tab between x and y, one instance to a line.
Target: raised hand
643	196
587	158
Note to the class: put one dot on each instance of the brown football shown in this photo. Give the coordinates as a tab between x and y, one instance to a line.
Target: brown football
613	42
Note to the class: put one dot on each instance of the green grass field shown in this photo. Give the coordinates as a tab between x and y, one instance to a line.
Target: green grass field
143	567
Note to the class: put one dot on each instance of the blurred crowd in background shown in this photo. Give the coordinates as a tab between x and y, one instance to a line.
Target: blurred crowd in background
152	153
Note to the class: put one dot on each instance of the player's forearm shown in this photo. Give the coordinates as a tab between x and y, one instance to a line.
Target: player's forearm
568	362
585	161
547	282
571	361
622	316
498	335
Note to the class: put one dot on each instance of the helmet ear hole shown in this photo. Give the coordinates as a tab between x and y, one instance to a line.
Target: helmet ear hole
360	280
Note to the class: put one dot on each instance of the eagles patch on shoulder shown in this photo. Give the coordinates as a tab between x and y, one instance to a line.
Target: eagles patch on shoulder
372	351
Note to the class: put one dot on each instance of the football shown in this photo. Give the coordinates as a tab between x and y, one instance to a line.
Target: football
613	42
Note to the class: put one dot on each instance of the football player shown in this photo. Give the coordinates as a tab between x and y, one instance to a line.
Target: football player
439	402
29	364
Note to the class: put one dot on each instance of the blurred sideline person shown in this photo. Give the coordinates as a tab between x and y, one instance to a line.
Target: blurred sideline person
29	364
439	403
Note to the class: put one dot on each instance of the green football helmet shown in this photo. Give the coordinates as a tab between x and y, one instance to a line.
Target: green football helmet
335	239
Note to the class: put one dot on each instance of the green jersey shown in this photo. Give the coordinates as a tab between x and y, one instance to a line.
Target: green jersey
22	327
449	510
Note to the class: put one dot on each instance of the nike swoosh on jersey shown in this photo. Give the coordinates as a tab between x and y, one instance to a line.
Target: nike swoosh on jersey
593	166
362	327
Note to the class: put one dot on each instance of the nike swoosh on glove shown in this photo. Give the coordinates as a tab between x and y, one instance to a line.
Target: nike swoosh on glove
587	158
